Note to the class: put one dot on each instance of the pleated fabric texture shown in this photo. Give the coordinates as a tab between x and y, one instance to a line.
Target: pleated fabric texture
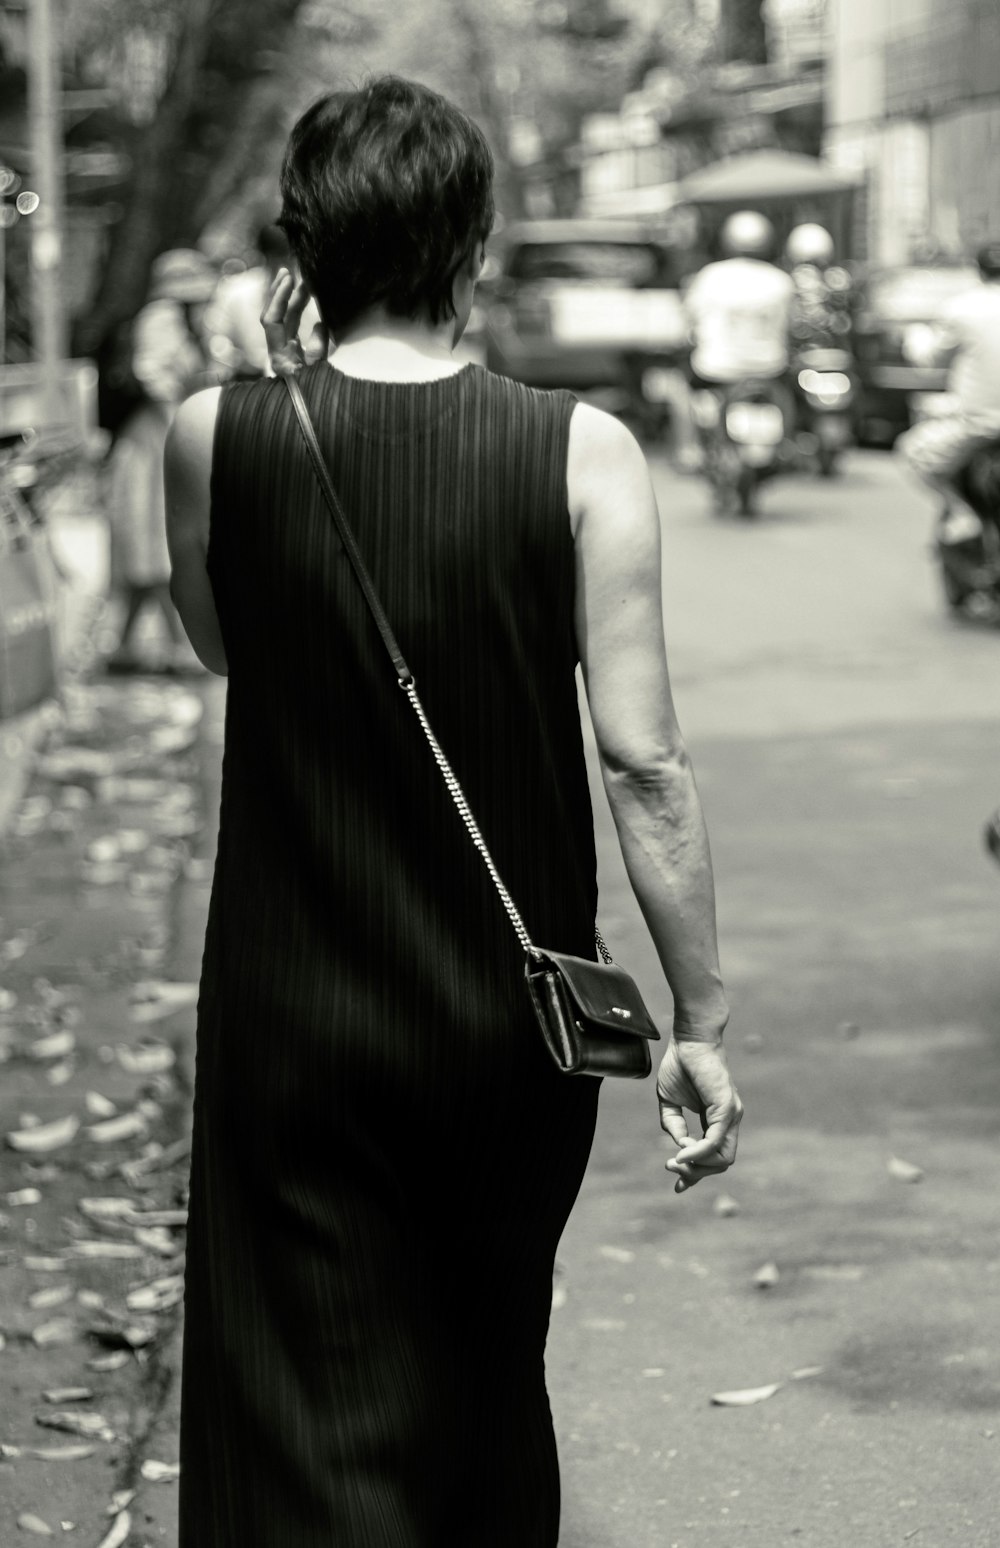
384	1156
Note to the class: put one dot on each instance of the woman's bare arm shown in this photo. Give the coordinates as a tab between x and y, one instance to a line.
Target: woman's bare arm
187	482
646	770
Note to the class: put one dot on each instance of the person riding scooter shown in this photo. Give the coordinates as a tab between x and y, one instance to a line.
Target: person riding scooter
739	309
940	449
738	312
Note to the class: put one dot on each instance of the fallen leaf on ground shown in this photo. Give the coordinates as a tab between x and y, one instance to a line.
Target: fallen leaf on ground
53	1295
159	1217
767	1275
45	1136
109	1362
29	1523
156	1161
160	1472
150	1059
134	1335
68	1395
88	1424
746	1396
56	1046
725	1205
23	1196
904	1171
156	997
69	1453
106	1209
99	1106
119	1531
126	1126
59	1331
89	1249
158	1295
156	1239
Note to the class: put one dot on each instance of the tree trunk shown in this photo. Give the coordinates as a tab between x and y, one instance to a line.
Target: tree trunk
225	48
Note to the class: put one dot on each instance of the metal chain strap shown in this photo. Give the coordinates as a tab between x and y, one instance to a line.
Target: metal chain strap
465	812
458	796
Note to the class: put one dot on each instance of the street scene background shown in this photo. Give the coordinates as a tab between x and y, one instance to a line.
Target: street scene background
806	1350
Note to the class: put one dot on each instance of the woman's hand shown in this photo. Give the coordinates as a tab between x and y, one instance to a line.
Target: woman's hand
695	1075
282	314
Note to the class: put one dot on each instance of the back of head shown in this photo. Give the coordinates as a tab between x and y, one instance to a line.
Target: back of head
988	259
747	234
809	243
386	192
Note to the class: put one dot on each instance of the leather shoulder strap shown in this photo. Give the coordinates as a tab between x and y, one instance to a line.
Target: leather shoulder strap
344	531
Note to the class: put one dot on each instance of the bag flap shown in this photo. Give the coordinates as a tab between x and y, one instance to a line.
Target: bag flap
604	993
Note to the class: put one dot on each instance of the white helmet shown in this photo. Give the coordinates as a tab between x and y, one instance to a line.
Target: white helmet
809	244
747	234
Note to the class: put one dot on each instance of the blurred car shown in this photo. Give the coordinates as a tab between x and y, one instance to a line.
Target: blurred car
585	304
902	355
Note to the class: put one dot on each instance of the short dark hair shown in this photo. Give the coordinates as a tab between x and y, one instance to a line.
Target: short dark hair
386	191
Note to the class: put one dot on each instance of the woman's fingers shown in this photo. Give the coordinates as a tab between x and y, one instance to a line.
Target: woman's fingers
297	303
273	317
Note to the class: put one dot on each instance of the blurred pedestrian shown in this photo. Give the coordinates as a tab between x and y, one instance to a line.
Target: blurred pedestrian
233	327
168	361
939	449
384	1154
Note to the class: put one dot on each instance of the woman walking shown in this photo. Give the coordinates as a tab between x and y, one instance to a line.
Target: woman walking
384	1154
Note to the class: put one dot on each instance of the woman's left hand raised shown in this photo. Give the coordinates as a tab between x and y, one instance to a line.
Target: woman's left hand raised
286	301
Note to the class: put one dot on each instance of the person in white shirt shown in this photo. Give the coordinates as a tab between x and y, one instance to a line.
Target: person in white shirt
232	322
739	309
939	449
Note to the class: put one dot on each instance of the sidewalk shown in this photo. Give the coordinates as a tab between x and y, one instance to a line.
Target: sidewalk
80	542
103	895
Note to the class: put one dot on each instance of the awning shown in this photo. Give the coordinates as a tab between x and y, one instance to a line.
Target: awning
766	174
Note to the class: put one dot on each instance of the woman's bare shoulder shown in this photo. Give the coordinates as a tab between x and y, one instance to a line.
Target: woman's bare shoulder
193	429
604	460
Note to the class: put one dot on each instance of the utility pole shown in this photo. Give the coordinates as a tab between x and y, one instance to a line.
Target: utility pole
48	314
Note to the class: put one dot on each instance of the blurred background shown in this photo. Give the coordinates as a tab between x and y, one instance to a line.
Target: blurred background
832	624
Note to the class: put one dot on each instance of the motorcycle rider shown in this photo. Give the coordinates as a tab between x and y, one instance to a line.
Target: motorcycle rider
939	449
739	311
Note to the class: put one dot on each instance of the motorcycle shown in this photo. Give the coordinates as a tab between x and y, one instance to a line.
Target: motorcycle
825	394
744	435
967	539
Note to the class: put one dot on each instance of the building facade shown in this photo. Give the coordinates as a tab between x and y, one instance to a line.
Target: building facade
913	103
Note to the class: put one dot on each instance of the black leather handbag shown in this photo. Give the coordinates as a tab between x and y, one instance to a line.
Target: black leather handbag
592	1016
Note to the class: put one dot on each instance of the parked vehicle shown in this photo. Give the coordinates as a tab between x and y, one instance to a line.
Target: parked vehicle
901	353
825	384
967	539
586	304
746	437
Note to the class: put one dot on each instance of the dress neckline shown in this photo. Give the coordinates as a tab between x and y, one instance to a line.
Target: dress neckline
383	381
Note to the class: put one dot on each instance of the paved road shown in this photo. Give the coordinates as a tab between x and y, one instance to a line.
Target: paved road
845	736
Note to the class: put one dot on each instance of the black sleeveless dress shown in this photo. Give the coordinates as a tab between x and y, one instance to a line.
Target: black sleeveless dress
384	1156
